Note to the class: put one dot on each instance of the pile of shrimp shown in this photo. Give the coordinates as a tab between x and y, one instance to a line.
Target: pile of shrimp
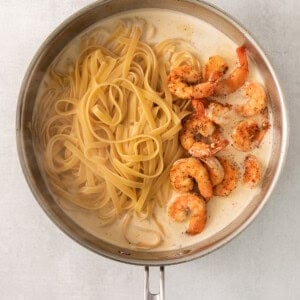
202	174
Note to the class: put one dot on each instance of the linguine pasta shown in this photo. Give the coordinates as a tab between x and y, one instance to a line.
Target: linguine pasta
107	127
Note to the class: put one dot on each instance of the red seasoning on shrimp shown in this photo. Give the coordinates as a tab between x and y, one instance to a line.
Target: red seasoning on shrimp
257	100
247	135
252	171
185	83
231	177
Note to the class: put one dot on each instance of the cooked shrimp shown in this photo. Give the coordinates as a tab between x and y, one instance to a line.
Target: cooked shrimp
215	169
248	135
195	127
231	177
236	78
218	113
183	173
213	144
189	206
257	100
215	66
202	150
185	82
252	171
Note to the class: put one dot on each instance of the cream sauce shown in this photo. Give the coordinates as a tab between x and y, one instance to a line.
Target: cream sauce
221	210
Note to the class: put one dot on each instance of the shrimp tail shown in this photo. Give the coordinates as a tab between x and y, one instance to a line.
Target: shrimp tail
236	78
198	107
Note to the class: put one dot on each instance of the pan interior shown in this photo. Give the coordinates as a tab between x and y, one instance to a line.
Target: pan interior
226	216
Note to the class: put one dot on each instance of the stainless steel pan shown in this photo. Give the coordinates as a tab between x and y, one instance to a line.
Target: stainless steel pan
45	55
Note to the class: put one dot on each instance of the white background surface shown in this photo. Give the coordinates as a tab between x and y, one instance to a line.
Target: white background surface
37	261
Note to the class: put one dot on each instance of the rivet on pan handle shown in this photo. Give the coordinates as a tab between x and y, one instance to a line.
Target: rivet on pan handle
147	294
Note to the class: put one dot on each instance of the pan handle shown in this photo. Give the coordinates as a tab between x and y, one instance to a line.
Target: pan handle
147	294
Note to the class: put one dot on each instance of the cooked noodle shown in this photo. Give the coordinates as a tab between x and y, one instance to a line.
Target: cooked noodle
107	127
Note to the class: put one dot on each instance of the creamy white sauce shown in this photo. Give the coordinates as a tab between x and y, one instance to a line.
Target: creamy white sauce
165	24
